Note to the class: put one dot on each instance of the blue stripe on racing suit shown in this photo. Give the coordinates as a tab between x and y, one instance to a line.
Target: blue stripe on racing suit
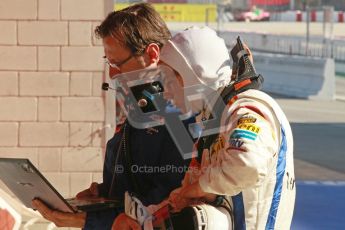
239	217
281	165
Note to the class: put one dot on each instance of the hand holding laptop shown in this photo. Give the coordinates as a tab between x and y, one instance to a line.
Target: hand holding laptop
35	191
60	219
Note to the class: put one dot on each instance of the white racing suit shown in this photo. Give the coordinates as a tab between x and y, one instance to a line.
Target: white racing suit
252	162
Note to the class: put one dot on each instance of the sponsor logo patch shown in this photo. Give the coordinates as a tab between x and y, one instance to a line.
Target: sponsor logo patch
246	119
240	134
235	142
249	126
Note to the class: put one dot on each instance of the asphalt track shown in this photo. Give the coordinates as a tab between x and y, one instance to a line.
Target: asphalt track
319	134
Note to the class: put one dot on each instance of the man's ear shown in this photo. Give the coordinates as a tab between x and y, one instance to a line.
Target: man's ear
153	51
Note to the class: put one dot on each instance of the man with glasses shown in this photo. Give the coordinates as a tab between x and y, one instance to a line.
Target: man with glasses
132	39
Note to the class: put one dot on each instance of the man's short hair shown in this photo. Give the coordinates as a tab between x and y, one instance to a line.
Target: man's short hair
136	26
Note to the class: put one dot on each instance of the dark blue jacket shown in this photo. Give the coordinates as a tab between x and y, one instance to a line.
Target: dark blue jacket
149	150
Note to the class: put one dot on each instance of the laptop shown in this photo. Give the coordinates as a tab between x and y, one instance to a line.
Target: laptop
27	183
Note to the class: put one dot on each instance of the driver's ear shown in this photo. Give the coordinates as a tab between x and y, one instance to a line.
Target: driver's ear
152	51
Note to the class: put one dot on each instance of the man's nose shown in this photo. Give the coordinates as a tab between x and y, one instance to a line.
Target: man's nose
113	71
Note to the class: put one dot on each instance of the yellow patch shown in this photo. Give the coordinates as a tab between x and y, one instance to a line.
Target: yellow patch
246	120
249	126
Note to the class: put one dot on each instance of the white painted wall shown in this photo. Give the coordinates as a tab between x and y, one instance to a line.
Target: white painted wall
297	76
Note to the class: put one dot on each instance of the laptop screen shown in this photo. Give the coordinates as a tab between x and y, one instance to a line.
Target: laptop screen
27	183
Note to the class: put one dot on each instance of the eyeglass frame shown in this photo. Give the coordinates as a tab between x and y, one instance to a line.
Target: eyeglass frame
119	64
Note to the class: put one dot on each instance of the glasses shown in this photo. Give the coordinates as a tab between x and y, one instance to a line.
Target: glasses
118	64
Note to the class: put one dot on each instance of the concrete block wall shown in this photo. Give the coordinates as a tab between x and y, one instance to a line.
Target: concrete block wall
52	107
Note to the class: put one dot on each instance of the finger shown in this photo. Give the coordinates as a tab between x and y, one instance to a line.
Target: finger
172	200
172	205
177	205
60	219
91	191
39	205
94	189
43	209
172	195
83	193
34	203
